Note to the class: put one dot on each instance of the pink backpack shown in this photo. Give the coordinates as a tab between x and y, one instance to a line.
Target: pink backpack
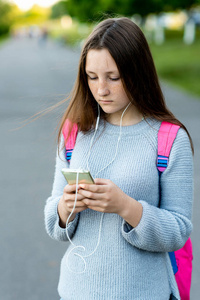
181	259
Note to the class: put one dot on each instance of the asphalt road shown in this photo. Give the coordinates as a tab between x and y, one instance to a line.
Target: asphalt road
32	78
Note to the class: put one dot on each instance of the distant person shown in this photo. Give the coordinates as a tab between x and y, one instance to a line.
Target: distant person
123	226
43	36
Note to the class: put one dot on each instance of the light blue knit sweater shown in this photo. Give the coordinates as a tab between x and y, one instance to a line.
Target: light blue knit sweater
130	263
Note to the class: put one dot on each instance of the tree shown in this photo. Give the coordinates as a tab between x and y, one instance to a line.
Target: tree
131	7
9	13
59	9
90	10
179	4
84	10
4	21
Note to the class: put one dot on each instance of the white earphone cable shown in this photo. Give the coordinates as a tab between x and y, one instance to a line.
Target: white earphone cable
92	139
80	247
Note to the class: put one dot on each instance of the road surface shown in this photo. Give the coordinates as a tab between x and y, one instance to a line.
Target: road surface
34	77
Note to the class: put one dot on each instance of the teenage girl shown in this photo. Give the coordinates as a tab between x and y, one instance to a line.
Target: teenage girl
121	228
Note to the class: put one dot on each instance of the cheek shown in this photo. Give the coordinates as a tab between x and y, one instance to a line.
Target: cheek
118	88
92	84
120	92
93	88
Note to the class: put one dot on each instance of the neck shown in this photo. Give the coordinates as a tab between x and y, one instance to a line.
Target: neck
130	116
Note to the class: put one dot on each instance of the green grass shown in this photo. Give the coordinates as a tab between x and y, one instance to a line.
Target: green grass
3	38
179	64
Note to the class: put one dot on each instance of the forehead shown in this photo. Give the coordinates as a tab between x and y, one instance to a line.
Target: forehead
100	60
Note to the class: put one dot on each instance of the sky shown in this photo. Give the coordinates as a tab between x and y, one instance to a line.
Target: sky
27	4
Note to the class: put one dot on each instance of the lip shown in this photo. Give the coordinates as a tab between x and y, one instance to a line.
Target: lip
105	101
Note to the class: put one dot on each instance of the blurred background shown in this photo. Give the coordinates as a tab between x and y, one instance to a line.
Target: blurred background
40	43
172	28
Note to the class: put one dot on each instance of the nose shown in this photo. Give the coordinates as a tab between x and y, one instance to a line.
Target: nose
103	89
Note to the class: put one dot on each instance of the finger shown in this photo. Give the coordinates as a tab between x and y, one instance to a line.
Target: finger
70	204
72	197
79	207
99	209
92	203
92	188
70	188
90	195
99	186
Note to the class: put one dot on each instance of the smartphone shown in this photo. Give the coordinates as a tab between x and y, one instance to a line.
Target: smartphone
83	176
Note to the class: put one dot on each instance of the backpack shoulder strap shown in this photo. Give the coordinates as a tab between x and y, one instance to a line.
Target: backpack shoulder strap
70	142
166	136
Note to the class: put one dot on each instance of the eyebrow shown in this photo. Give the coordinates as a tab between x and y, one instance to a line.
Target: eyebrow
110	72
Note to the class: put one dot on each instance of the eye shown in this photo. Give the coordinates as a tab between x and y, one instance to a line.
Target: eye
91	78
115	78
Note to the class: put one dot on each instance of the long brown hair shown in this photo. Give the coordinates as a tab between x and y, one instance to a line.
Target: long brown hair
127	45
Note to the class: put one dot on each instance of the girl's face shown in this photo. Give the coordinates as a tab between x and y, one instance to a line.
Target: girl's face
105	84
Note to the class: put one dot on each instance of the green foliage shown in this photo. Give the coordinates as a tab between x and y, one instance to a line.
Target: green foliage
170	5
90	10
73	36
4	20
178	63
9	13
35	16
85	11
59	9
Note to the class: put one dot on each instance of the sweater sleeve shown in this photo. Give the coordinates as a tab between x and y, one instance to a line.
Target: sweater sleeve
167	228
51	211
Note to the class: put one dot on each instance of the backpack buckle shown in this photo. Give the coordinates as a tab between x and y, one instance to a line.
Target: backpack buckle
162	162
